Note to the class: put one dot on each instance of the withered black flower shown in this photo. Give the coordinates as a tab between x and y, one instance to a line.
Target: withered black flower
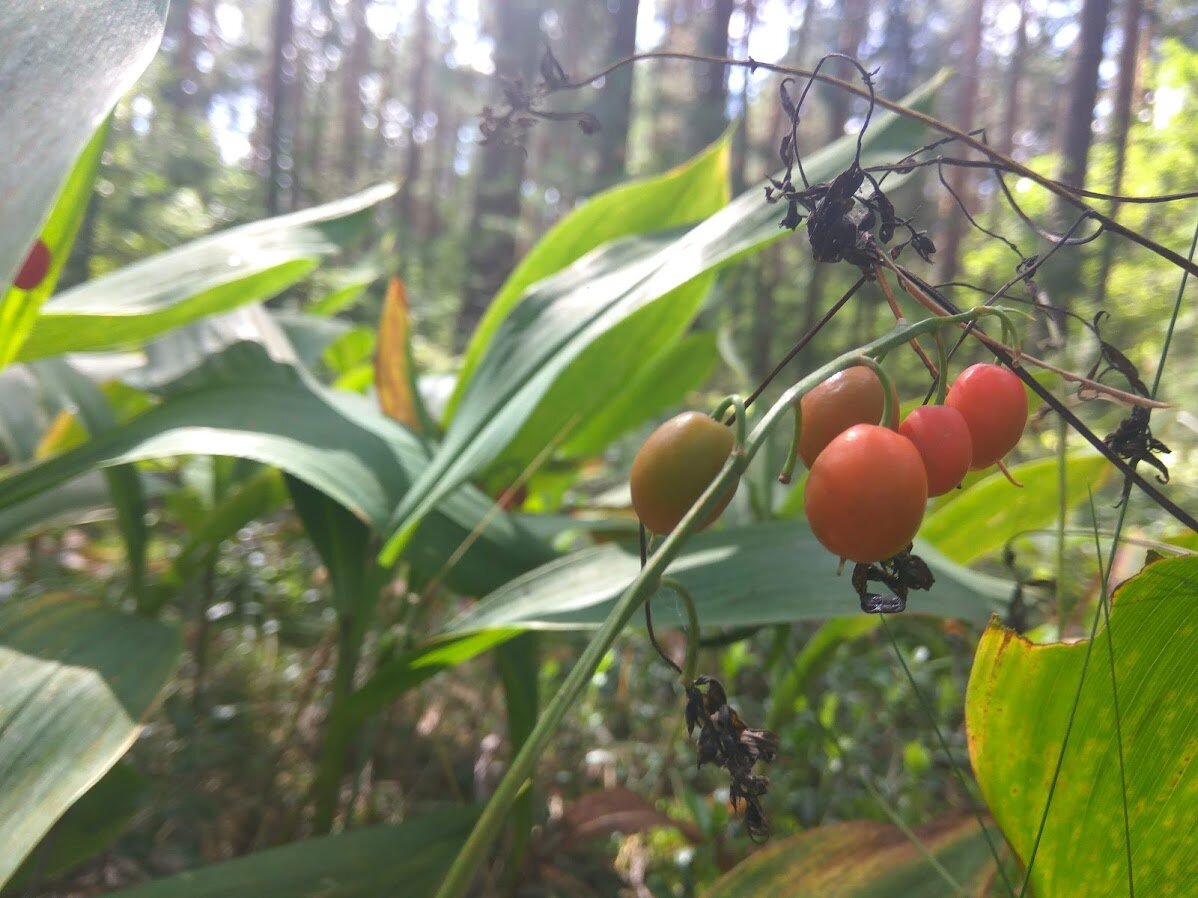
901	574
1133	440
728	742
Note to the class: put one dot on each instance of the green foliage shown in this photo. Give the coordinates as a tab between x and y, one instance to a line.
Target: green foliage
242	404
56	96
749	576
984	517
72	696
359	864
213	274
1021	703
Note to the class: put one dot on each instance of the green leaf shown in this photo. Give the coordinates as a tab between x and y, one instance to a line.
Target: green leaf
984	516
84	499
244	405
396	676
766	574
206	276
407	859
62	68
688	193
600	376
255	497
1018	704
342	541
564	315
87	828
24	416
124	483
814	658
18	308
863	859
662	382
72	693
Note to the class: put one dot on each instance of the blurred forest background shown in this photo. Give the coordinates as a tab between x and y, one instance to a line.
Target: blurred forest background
255	108
260	108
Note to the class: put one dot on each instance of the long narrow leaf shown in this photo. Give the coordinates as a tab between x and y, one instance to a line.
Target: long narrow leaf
62	67
766	574
72	695
206	276
244	405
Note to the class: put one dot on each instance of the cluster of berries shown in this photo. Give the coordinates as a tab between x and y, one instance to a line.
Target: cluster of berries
869	483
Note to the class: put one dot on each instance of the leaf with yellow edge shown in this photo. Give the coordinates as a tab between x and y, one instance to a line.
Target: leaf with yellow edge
865	859
1018	706
393	369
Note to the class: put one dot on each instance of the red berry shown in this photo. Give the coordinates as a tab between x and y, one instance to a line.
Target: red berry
866	494
37	263
941	435
994	403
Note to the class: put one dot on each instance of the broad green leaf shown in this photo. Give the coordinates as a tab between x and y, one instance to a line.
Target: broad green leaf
206	276
171	357
124	483
863	859
408	859
563	316
1018	704
84	499
243	405
984	516
18	308
766	574
686	194
312	335
62	68
87	828
661	383
395	677
72	694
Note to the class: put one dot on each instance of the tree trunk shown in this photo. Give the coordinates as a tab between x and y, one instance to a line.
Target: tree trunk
357	59
277	143
418	104
1077	116
740	140
959	179
1133	11
854	19
710	118
491	244
614	106
1010	117
898	54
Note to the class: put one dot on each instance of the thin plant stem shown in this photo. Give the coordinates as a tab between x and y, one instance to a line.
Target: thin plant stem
1104	604
960	775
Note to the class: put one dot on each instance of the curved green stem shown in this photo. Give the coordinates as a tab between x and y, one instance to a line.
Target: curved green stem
942	365
1010	335
737	405
457	881
692	629
887	387
792	454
